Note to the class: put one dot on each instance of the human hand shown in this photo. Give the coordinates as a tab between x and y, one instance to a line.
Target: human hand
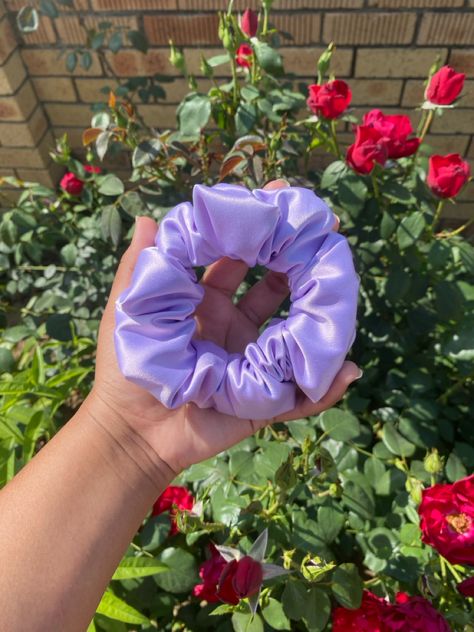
189	434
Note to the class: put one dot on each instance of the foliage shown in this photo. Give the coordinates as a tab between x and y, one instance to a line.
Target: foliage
338	493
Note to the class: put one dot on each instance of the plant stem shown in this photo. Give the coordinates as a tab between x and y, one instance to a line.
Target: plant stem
437	214
457	231
375	184
265	20
337	149
453	571
426	126
235	85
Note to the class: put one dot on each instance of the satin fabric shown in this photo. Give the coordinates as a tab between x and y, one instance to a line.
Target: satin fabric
287	230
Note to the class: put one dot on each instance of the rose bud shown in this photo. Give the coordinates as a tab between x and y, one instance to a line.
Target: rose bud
329	100
366	618
244	56
395	129
210	572
466	587
173	498
447	175
369	147
445	86
239	579
447	520
415	614
71	184
92	169
249	23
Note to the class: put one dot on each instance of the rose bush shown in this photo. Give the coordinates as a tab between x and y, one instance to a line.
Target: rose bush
361	506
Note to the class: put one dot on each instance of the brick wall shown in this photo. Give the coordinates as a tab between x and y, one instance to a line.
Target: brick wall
385	48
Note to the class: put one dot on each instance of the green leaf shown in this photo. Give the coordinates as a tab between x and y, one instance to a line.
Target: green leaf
339	424
115	608
115	42
268	58
275	616
102	144
111	224
398	193
193	115
247	622
294	599
7	361
47	7
146	152
249	93
58	326
218	60
245	118
111	185
182	575
330	521
395	442
138	40
333	174
347	586
387	225
131	567
397	285
449	301
466	252
69	254
27	19
317	610
410	229
101	120
132	203
455	468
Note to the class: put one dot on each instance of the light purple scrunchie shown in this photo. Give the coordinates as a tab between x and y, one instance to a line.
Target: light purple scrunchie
287	230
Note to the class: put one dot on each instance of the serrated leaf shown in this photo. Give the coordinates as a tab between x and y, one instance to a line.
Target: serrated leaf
90	135
394	441
410	229
146	152
111	185
347	586
339	424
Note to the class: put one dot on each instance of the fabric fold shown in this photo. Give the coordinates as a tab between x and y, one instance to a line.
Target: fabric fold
287	230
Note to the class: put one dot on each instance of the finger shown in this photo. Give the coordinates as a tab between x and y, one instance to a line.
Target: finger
264	298
306	408
143	237
225	275
276	184
337	223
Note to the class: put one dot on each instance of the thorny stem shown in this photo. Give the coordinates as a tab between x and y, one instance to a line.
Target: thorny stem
457	231
437	214
337	149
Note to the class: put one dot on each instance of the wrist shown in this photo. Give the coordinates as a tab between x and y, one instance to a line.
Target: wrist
127	445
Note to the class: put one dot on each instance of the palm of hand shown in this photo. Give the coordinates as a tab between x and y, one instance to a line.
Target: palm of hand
189	434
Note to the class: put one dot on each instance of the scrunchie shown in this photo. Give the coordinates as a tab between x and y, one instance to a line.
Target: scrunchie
287	230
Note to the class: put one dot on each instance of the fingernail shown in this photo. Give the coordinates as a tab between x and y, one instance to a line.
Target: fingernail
359	375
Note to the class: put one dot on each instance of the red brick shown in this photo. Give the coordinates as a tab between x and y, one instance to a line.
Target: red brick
25	134
79	5
458	122
305	28
65	114
302	61
463	60
49	62
125	5
71	31
43	35
396	62
37	158
182	29
19	106
128	63
376	92
369	28
415	4
159	116
456	28
448	143
12	74
56	88
8	40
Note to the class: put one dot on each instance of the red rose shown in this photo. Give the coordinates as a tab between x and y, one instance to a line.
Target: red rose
415	614
92	169
174	497
445	85
369	147
71	184
329	100
249	23
210	572
447	175
466	587
239	579
395	129
447	520
244	55
367	618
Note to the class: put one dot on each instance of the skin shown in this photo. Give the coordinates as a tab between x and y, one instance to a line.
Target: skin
68	516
